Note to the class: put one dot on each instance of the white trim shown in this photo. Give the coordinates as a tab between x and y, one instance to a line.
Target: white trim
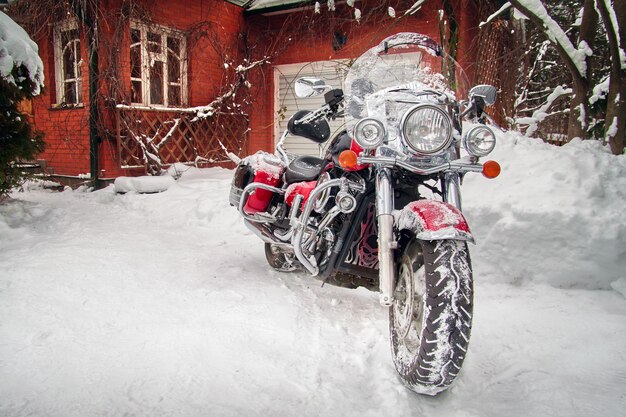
59	79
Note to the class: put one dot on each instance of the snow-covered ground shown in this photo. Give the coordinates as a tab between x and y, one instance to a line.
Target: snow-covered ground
163	304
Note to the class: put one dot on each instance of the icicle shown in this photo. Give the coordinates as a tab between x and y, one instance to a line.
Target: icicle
391	12
350	3
331	5
318	7
357	15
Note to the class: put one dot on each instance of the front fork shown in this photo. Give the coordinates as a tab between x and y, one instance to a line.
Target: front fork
450	184
451	188
386	242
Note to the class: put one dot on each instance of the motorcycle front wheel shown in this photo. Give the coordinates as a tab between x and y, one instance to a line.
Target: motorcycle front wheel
431	317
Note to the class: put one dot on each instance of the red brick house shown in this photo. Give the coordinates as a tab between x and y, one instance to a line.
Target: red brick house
160	62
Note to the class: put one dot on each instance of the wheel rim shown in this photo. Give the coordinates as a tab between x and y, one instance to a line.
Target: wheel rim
403	305
408	306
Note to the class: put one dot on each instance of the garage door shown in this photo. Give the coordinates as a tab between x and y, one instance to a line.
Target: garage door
286	103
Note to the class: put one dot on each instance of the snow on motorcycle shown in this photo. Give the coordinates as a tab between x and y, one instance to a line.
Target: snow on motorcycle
382	209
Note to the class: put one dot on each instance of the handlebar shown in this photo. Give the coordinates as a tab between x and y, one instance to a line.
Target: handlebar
459	165
334	100
324	111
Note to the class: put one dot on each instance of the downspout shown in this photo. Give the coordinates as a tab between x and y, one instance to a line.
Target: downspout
94	139
88	14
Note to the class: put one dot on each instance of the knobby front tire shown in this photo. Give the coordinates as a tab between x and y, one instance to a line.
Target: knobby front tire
431	318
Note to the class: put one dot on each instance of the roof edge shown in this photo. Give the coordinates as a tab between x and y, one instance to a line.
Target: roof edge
279	8
240	3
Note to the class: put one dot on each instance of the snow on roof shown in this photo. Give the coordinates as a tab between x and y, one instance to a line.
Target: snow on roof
270	6
17	49
259	5
239	2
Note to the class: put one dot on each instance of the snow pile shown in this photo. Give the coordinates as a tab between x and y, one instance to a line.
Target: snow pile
620	286
145	184
554	215
176	170
17	49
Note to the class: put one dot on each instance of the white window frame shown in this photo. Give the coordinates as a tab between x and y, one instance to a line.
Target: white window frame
59	62
148	57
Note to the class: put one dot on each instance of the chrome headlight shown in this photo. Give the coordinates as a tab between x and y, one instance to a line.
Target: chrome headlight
369	133
479	141
427	129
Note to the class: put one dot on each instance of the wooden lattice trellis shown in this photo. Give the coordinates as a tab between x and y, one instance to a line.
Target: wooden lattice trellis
154	138
496	67
498	64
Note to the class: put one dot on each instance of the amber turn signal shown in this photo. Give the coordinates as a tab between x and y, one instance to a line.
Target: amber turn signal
348	159
491	169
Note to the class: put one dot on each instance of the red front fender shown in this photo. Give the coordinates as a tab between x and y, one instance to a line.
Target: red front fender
433	220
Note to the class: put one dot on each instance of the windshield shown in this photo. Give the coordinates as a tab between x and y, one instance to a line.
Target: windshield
395	70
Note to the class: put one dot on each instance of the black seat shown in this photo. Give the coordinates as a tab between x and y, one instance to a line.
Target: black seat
304	168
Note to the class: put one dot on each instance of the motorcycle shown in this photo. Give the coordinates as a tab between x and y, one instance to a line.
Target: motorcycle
382	209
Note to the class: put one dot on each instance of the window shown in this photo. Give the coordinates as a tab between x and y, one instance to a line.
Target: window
158	66
67	62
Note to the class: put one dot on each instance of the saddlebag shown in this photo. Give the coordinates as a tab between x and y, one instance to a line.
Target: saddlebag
262	167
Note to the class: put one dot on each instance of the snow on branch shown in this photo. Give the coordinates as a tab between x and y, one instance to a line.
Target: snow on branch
416	6
229	154
241	75
536	11
541	113
506	6
616	30
150	146
168	136
600	91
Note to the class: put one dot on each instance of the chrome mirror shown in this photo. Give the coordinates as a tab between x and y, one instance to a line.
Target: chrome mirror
487	92
310	86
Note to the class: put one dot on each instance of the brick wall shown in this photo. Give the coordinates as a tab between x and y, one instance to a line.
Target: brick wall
295	38
67	130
